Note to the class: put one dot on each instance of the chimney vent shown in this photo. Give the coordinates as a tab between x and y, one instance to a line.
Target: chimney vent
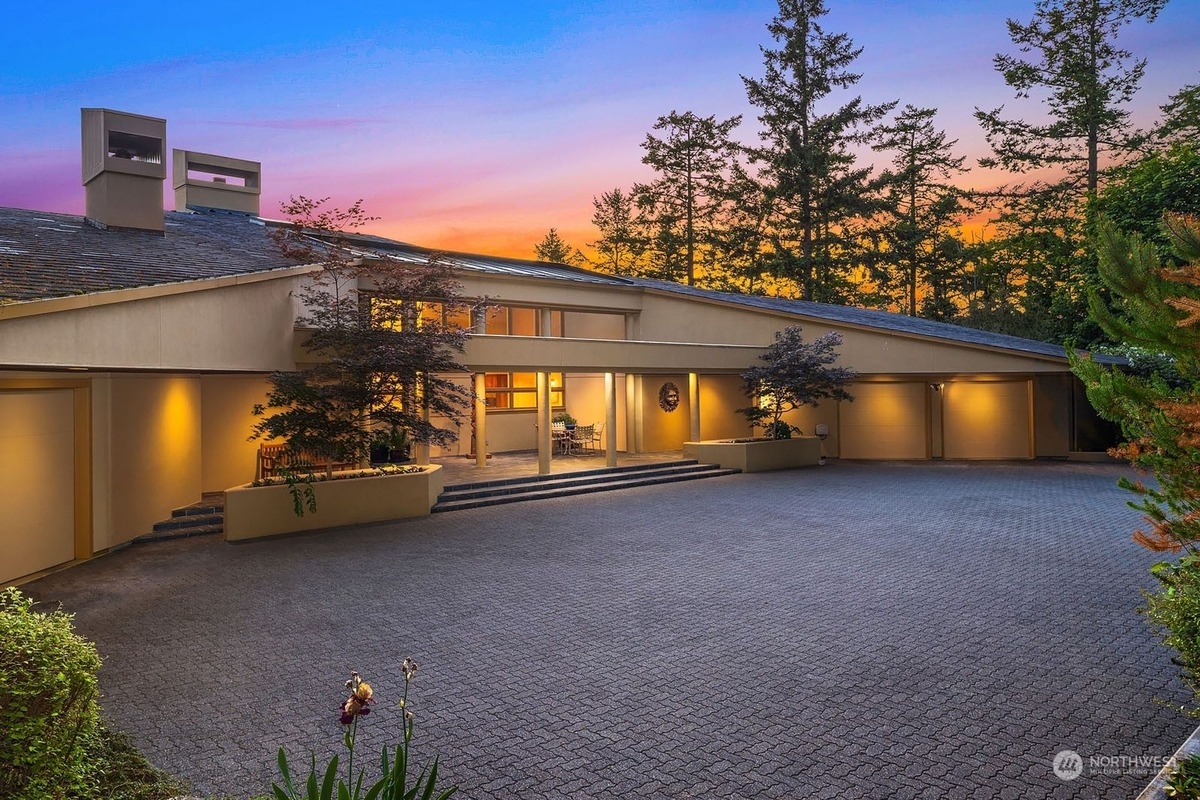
123	168
228	184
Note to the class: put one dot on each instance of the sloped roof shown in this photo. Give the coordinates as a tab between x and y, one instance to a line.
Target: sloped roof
378	247
873	318
44	255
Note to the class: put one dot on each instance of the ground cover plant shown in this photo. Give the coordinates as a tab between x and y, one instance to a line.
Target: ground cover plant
53	743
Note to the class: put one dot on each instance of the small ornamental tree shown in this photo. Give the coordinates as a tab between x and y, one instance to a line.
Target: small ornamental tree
795	374
381	352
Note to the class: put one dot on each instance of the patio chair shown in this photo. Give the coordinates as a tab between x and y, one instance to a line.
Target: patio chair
581	439
597	436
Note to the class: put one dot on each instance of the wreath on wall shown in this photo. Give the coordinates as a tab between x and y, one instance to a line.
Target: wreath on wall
668	397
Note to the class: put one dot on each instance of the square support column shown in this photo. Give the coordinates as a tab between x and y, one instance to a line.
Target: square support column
480	420
610	419
544	441
631	414
694	405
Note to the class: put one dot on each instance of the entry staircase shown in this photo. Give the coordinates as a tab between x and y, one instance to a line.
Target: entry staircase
540	487
198	519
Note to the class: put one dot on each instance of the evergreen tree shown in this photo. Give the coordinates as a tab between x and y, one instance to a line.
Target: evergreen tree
1158	310
682	206
1087	81
554	249
1139	194
621	246
1181	117
806	162
919	208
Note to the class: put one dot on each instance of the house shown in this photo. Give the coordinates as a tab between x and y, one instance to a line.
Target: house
134	343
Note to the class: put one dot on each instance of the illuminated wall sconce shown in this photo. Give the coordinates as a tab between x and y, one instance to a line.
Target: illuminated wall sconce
937	387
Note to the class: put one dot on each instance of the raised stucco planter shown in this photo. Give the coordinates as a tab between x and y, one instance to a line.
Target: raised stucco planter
757	455
255	511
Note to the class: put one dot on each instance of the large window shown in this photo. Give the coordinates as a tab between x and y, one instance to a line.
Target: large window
518	390
520	321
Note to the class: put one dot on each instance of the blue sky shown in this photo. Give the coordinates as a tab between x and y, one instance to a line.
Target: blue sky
472	125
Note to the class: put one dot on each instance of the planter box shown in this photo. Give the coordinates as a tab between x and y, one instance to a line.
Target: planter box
255	511
757	456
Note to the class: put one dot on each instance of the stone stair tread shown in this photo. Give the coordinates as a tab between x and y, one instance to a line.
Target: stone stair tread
526	479
188	521
566	479
613	483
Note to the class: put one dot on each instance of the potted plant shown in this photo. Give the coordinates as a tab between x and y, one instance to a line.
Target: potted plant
566	419
389	446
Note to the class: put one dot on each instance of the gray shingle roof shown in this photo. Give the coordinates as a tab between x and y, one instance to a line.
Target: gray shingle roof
44	255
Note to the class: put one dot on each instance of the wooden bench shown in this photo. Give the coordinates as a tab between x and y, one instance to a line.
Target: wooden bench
273	457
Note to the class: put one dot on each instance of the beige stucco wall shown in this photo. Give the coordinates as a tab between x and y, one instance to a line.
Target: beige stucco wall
720	398
662	430
237	327
151	450
677	319
37	445
228	457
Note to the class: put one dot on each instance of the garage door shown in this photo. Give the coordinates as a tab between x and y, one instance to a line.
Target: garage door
37	447
986	419
886	420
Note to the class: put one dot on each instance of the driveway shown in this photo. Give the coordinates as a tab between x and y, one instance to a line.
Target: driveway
883	630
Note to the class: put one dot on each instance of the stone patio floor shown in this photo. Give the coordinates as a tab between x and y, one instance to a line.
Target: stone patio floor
889	630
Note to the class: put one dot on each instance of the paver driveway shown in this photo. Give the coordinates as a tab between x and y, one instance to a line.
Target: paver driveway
860	630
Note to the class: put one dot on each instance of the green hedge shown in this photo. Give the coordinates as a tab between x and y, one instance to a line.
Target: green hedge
49	716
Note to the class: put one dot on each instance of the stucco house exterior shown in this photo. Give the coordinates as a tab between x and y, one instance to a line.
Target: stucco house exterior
134	343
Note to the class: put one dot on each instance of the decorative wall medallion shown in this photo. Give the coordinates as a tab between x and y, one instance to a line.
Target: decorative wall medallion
668	397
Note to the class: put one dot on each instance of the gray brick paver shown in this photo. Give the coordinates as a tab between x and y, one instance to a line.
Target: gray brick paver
884	630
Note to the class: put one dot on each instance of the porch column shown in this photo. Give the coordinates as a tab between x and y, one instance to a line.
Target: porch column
694	405
631	418
422	449
610	419
543	423
480	420
547	326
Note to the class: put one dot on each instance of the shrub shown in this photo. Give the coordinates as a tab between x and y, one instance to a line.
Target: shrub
48	711
1174	612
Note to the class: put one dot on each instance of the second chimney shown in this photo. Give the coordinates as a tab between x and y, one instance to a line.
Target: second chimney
218	191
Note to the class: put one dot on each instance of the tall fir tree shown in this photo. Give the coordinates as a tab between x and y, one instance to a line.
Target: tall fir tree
621	245
553	248
806	161
682	207
919	209
1087	82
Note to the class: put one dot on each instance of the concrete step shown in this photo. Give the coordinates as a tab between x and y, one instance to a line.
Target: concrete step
199	519
518	490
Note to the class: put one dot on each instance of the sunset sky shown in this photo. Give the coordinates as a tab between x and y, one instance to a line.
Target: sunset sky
473	125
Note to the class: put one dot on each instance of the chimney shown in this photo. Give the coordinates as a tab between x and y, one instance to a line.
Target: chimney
234	185
123	168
